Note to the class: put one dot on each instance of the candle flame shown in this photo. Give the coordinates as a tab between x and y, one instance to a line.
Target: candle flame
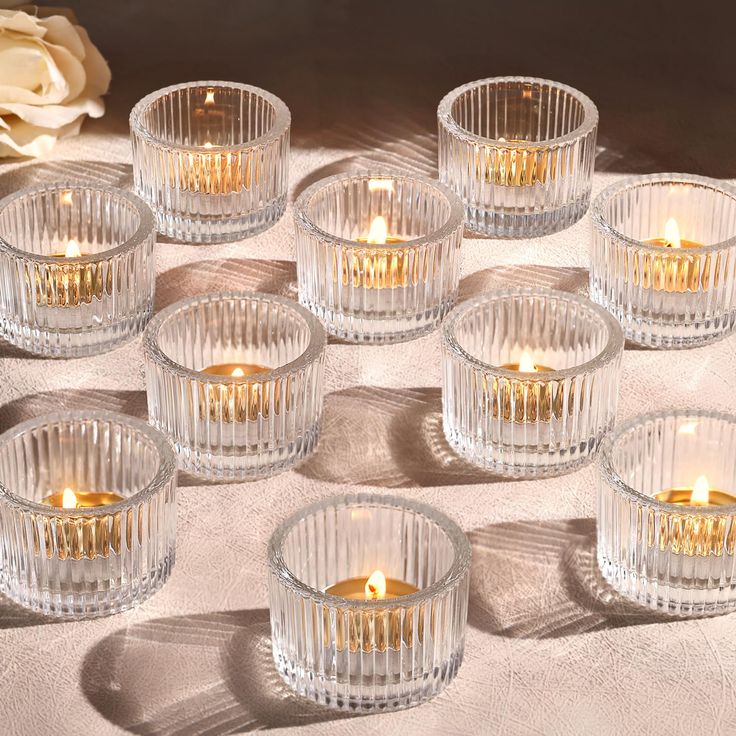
210	98
375	587
72	249
701	491
66	197
378	231
688	428
208	145
68	499
526	364
501	139
672	233
380	185
238	373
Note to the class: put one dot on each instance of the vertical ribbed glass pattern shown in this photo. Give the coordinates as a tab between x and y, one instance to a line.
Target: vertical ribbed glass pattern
212	159
666	297
78	563
520	153
396	289
361	655
679	559
236	426
59	306
530	423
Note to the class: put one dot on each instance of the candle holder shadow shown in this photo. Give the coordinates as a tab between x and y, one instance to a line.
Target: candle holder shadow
678	558
572	279
529	422
390	438
540	580
240	274
361	655
214	675
82	562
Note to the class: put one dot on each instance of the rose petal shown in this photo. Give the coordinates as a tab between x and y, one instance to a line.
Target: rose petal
60	32
98	71
20	22
29	140
55	116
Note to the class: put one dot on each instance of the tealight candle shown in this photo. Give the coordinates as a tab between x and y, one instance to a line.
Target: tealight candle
664	540
384	640
69	499
239	402
520	153
211	159
378	254
77	268
667	290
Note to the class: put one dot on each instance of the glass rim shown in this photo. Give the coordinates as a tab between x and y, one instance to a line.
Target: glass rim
611	350
599	220
620	486
281	122
458	539
167	466
445	116
454	221
154	352
145	229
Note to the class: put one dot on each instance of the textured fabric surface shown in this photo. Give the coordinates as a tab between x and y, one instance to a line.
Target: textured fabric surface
544	652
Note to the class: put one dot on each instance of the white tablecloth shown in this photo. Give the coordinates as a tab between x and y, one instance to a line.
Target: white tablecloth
544	653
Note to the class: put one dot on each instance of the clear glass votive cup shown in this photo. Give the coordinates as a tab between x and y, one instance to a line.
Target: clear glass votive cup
235	379
77	268
665	296
520	152
359	654
378	254
678	558
530	380
87	561
211	159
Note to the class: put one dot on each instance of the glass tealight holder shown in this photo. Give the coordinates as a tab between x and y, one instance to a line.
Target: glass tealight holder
62	556
212	159
663	250
235	379
378	254
667	511
520	153
348	651
530	380
77	268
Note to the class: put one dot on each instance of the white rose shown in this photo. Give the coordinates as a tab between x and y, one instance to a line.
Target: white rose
51	76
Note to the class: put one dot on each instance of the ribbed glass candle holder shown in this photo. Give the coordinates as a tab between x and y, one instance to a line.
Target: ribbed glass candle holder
235	380
530	382
212	159
667	511
77	268
520	153
663	258
378	254
80	561
356	654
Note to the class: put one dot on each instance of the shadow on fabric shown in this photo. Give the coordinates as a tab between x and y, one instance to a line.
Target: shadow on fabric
540	580
185	675
388	437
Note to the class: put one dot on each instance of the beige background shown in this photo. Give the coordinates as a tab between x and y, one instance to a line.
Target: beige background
546	651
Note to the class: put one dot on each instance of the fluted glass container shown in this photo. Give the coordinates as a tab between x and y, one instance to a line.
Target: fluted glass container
378	254
87	561
530	380
665	296
520	153
77	270
678	558
212	159
235	379
359	654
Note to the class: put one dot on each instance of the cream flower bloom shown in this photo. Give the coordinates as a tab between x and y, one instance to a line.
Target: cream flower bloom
51	76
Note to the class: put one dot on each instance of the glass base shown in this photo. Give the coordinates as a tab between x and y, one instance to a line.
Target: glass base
240	463
371	330
215	229
686	602
510	225
73	343
354	697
